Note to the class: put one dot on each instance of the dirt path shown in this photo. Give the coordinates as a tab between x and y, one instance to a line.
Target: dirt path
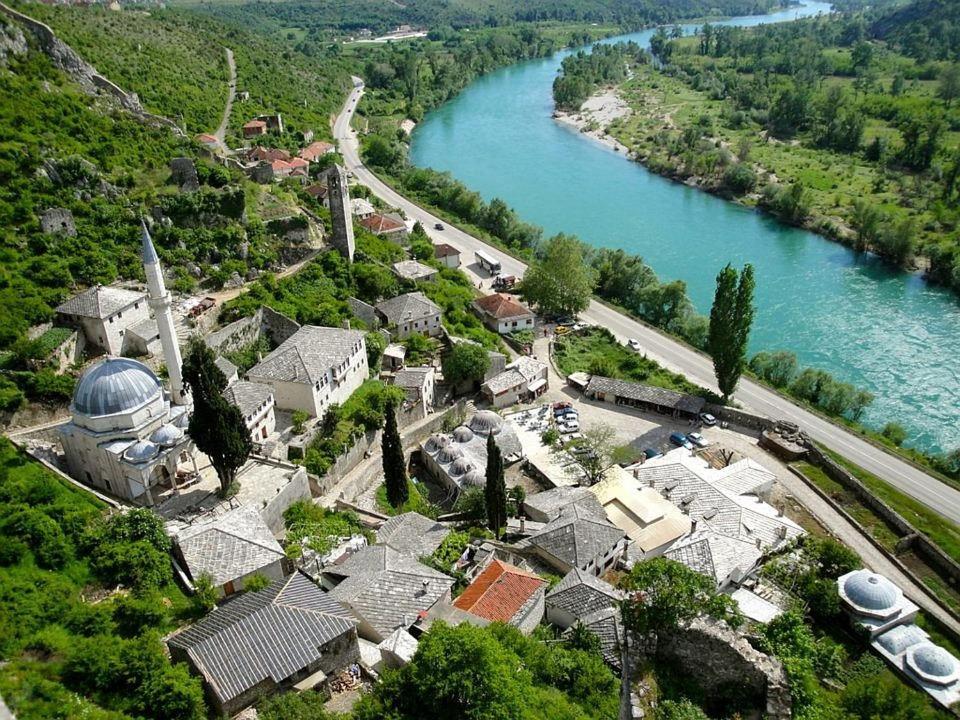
221	132
225	295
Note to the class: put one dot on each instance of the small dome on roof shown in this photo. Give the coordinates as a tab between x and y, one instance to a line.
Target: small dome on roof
460	466
899	638
183	421
870	592
167	435
115	385
449	453
141	451
463	434
933	663
431	445
473	479
486	422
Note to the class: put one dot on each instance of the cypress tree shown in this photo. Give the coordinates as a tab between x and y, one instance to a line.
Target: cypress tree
495	492
730	320
394	467
217	426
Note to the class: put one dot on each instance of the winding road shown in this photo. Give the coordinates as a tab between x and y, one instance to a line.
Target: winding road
674	355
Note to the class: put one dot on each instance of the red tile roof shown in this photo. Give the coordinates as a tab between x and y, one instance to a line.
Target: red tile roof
317	191
499	592
255	124
378	223
299	163
444	250
315	149
205	138
501	305
268	154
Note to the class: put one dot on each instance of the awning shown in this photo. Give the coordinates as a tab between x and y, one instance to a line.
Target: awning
536	384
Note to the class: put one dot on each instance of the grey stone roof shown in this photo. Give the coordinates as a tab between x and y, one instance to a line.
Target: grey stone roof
579	535
146	329
248	396
645	393
408	307
413	270
412	377
389	590
229	547
308	354
115	385
226	367
100	302
581	593
412	534
265	635
608	628
550	502
715	554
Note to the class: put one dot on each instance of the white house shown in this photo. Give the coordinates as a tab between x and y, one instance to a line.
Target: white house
104	314
447	255
256	403
418	384
410	313
523	380
314	367
504	313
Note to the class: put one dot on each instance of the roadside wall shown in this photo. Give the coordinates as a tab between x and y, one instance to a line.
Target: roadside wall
739	417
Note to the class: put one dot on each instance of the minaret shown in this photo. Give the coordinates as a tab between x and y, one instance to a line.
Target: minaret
160	304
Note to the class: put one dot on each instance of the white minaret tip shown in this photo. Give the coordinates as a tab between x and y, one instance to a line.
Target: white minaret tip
148	252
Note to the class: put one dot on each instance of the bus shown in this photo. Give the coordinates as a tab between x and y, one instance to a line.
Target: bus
488	262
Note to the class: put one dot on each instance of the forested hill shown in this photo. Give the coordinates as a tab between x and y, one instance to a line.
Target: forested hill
924	30
383	15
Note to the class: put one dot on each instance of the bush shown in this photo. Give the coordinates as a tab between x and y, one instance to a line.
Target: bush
739	179
895	433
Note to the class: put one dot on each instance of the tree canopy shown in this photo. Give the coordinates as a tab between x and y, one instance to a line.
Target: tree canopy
394	464
495	491
559	281
465	362
730	320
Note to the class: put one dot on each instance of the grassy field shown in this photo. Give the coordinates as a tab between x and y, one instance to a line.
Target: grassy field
885	534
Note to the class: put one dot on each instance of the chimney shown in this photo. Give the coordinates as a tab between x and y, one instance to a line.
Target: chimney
693	525
346	324
758	543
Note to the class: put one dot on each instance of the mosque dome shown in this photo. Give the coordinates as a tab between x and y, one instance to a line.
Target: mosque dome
449	453
167	435
141	451
182	421
932	663
463	434
871	593
115	385
486	422
460	466
473	479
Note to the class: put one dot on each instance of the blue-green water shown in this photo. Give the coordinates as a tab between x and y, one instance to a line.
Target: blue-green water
849	314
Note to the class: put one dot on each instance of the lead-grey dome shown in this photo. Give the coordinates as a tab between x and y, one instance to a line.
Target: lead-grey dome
486	422
449	453
115	385
473	479
167	435
899	638
141	451
871	592
463	434
932	662
460	466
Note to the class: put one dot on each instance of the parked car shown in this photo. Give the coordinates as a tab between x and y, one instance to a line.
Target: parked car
569	425
697	439
438	226
680	440
651	453
708	419
634	344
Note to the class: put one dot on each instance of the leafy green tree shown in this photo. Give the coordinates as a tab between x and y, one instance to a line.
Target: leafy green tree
777	368
256	582
895	433
394	464
598	451
948	88
559	282
216	425
866	219
298	419
662	594
730	319
307	705
495	490
205	595
465	362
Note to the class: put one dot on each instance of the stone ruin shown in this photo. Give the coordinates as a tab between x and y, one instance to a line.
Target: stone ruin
58	221
184	173
785	441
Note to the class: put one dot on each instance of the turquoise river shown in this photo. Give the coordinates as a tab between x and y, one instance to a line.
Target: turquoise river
848	314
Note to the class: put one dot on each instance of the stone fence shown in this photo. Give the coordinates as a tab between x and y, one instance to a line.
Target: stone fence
739	417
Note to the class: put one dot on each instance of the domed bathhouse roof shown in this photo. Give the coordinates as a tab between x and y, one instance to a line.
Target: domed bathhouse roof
431	445
167	435
932	663
182	421
474	478
448	454
463	434
898	639
871	594
115	385
460	466
141	451
486	422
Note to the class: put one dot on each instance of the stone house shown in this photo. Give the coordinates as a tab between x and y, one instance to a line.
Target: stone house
418	383
386	226
410	313
313	368
504	314
412	534
414	270
254	128
505	593
103	314
447	255
577	595
256	403
290	636
522	381
581	538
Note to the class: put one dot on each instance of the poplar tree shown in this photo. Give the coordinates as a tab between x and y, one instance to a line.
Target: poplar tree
394	467
495	493
217	426
730	320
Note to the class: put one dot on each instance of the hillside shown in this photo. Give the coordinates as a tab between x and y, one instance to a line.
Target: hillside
383	15
925	30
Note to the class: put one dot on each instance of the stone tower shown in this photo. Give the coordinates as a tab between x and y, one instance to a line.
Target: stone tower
340	211
160	304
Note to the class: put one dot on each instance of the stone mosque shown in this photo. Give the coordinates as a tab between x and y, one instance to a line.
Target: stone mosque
127	434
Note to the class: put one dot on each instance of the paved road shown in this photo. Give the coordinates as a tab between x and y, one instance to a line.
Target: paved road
670	353
221	132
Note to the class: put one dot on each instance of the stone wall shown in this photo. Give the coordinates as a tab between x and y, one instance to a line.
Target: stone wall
365	312
246	331
297	489
722	660
739	417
